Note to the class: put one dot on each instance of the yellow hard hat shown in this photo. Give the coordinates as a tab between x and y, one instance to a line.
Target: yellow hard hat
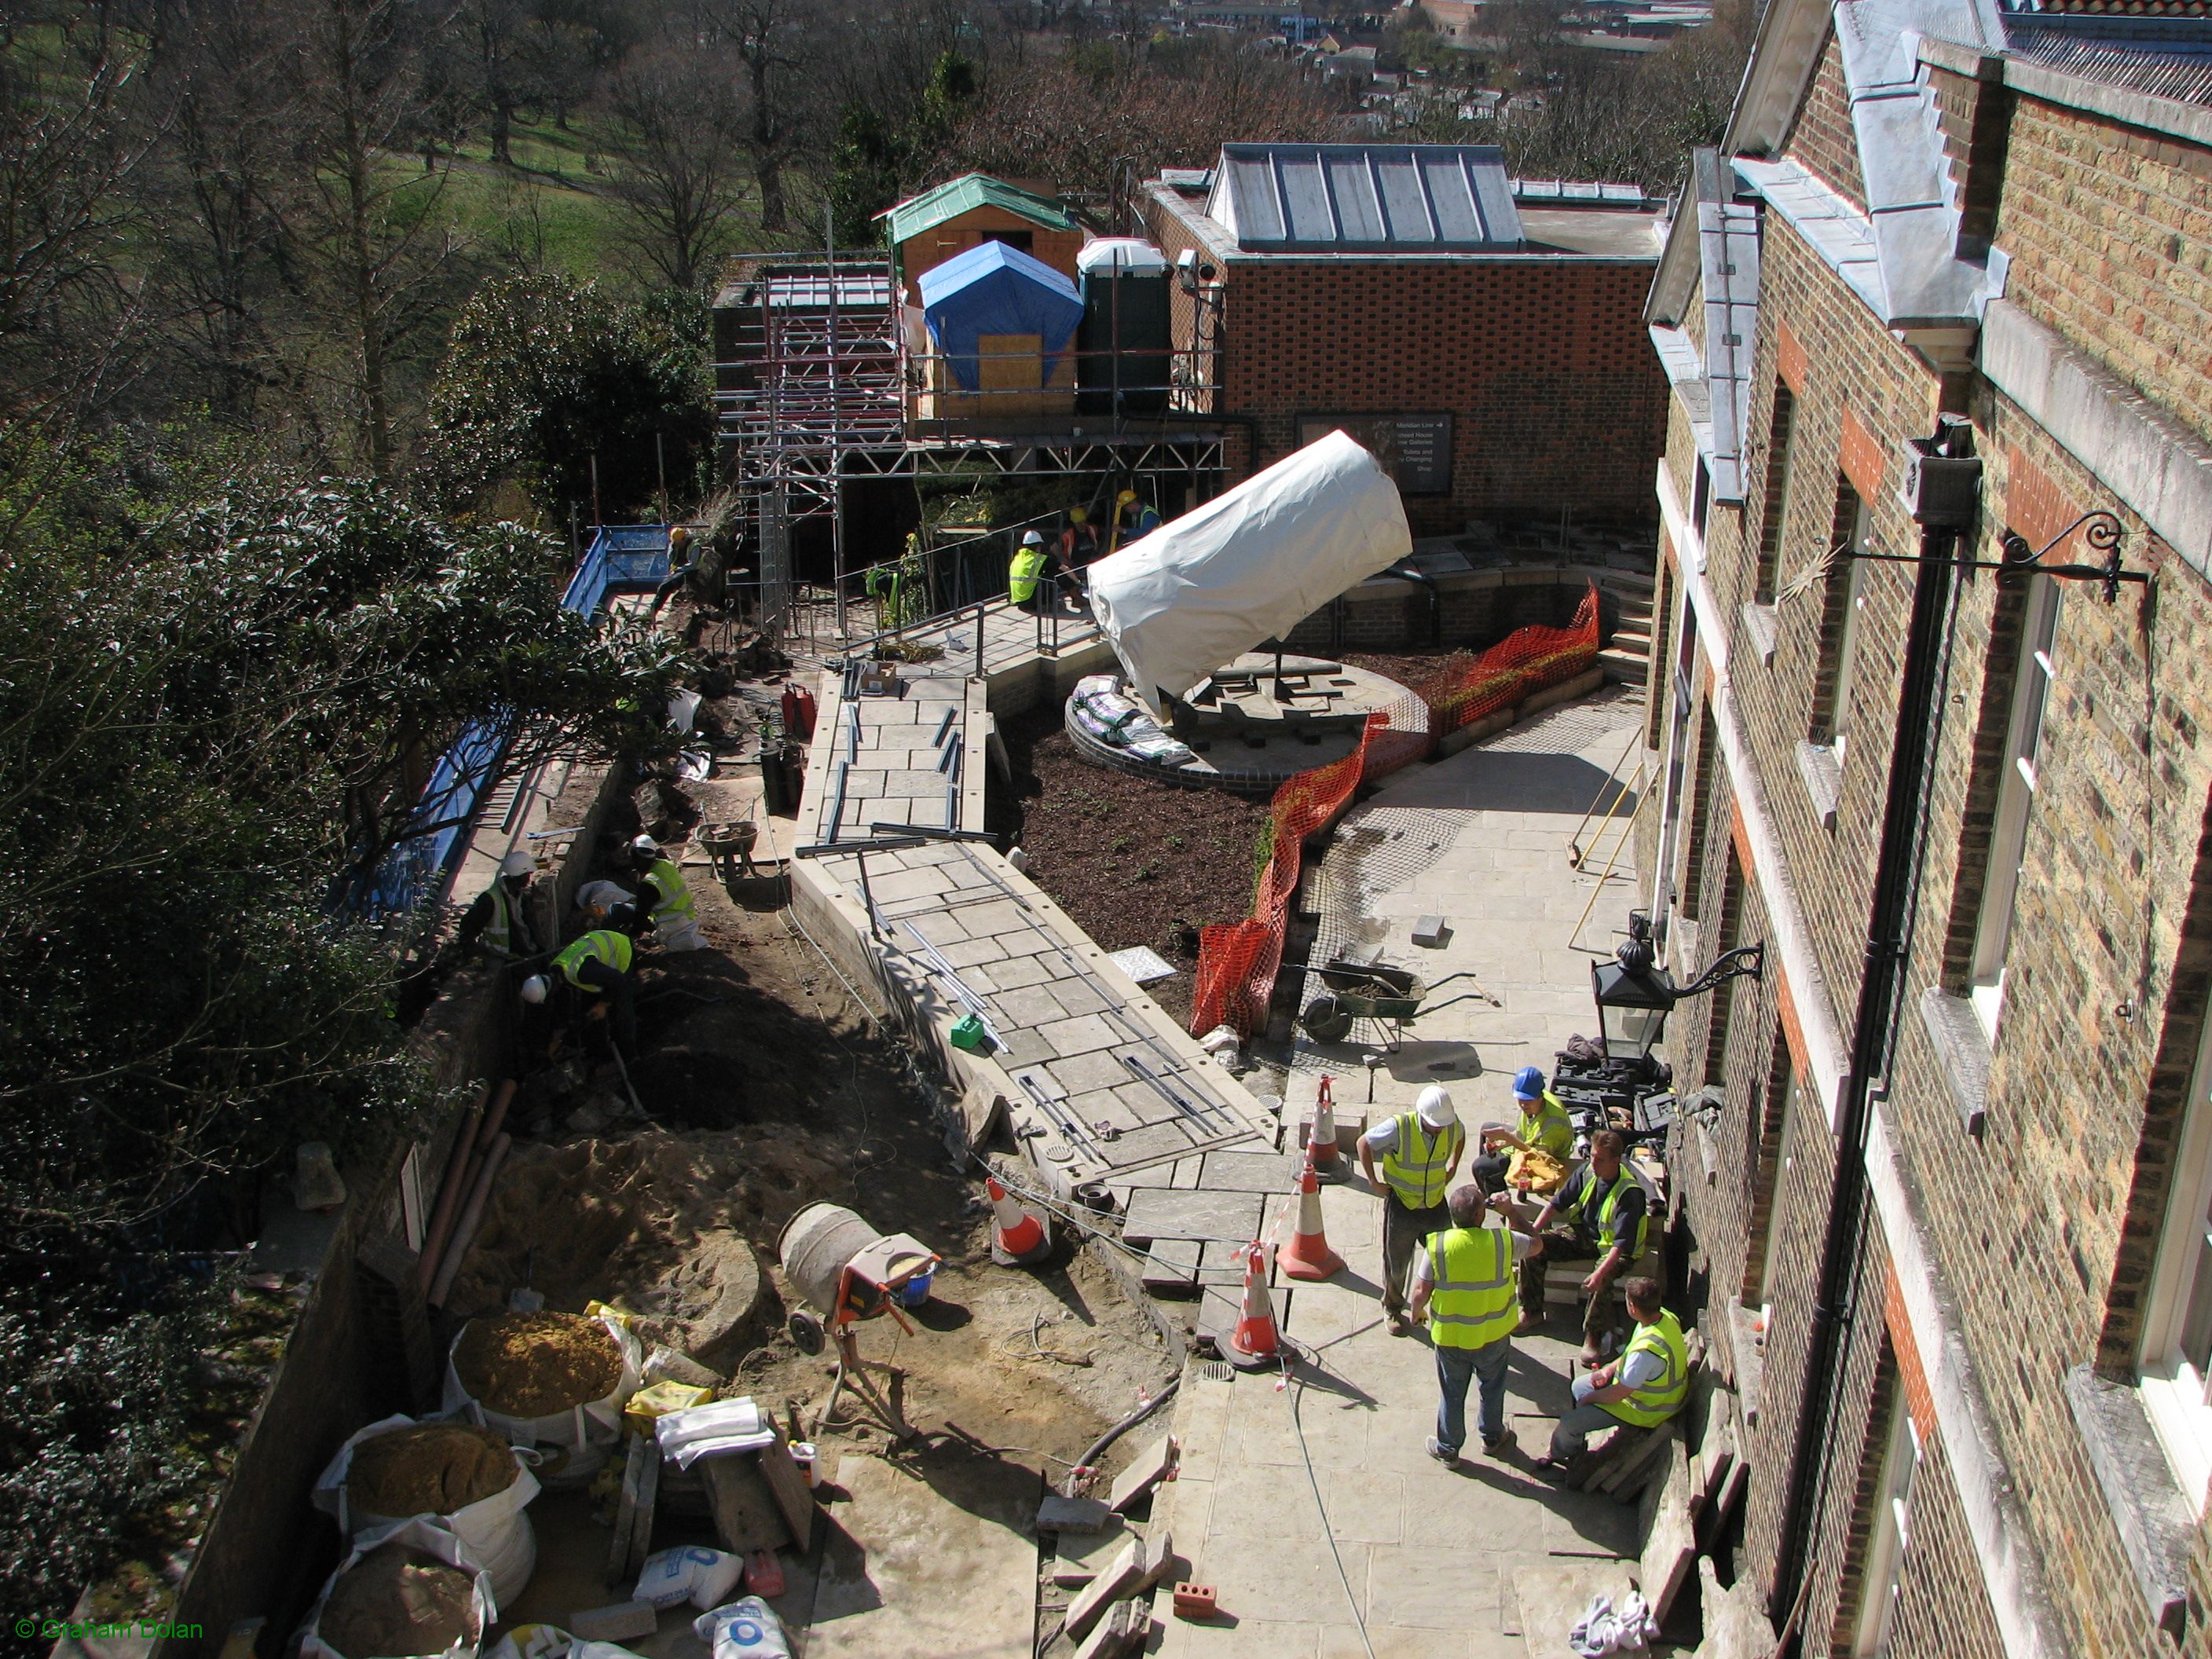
1075	515
1125	497
679	537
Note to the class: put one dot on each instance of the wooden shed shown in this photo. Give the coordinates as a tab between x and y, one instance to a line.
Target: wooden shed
943	223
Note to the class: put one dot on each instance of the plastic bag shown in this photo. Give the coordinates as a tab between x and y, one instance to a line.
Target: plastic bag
551	1642
693	1574
746	1629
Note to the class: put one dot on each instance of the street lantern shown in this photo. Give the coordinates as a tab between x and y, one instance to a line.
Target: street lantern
1635	995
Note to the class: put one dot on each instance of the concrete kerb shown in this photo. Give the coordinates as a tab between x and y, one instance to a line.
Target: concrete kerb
1534	703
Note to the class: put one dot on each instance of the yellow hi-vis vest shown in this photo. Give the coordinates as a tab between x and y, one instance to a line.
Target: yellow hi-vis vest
1606	1236
605	945
675	897
1474	1303
1546	1128
1661	1398
1022	574
1416	1166
506	934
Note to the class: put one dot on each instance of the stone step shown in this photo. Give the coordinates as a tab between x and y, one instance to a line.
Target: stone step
1623	667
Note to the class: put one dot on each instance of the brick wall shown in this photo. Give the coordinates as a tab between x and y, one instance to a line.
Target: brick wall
1543	363
1822	138
2107	229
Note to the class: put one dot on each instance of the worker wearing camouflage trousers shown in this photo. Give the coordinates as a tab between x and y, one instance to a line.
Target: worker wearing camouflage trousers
1420	1151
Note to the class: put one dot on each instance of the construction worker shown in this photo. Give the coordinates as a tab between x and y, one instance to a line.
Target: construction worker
498	918
592	974
1421	1152
1463	1289
681	568
1125	520
1543	1127
1608	1221
1644	1388
663	897
1079	542
1027	583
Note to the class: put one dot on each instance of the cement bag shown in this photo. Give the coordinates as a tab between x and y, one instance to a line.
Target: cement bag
693	1574
494	1528
377	1615
584	1431
551	1642
746	1629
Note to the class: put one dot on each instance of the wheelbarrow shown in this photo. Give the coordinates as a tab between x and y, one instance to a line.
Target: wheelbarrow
1392	996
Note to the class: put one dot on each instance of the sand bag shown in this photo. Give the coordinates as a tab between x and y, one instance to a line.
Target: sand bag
410	1591
746	1629
551	1642
466	1476
546	1379
694	1574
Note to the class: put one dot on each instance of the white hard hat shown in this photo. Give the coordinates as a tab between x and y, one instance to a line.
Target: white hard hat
517	863
536	988
646	844
1435	1107
1033	539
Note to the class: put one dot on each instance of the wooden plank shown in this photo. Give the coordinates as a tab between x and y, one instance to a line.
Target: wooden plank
788	1487
1156	1212
647	1501
1670	1540
746	1515
619	1547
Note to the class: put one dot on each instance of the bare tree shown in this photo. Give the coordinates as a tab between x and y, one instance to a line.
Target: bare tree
679	179
774	40
365	226
497	33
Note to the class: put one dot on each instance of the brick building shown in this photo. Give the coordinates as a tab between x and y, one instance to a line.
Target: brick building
1988	1169
1490	350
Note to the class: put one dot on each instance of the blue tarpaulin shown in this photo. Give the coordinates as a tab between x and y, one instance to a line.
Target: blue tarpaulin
994	288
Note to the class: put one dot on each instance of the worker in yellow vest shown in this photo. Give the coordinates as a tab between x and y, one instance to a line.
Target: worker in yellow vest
1606	1217
663	897
498	919
592	976
1543	1127
1027	583
1420	1151
1463	1288
1643	1388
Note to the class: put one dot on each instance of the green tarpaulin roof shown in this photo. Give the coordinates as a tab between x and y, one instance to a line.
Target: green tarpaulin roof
961	195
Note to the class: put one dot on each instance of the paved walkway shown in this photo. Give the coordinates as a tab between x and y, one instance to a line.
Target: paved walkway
1313	1506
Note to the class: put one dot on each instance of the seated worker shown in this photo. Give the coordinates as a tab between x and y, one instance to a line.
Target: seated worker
1032	577
1608	1221
1543	1128
1643	1388
1079	542
498	920
663	898
594	982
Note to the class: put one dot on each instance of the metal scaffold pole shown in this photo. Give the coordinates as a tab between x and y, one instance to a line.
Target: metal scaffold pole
836	426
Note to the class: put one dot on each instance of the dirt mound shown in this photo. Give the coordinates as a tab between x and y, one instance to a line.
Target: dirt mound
433	1468
397	1601
535	1365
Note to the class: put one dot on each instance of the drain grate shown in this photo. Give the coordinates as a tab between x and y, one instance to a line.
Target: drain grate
1216	1371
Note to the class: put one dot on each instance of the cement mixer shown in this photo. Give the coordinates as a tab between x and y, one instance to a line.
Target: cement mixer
1247	567
850	1272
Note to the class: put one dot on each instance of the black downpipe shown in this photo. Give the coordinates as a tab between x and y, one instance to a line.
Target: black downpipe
1406	570
1895	870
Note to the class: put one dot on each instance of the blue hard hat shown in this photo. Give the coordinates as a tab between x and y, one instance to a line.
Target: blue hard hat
1528	1083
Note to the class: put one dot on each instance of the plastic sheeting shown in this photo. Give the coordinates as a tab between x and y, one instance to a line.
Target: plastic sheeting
1249	566
994	288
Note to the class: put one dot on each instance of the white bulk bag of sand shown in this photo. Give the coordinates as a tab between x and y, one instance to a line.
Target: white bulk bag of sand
410	1591
584	1429
494	1526
1247	566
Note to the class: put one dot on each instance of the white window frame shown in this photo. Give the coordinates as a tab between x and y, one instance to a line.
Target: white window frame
2034	684
1886	1543
1792	1093
2174	1387
1847	635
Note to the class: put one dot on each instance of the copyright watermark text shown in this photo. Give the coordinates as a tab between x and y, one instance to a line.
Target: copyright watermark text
78	1629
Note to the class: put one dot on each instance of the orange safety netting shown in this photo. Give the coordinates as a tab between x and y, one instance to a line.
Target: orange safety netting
1237	963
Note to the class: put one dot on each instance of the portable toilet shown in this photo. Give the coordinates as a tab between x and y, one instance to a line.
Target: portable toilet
1000	325
1124	350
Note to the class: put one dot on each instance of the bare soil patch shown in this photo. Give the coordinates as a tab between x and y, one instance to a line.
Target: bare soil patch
1134	862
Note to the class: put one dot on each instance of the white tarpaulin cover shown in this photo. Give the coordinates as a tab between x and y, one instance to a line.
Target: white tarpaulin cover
1247	566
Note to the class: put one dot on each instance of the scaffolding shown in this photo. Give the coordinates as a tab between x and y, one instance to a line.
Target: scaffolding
816	385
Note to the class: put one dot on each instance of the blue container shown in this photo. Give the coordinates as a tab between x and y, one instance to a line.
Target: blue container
915	1291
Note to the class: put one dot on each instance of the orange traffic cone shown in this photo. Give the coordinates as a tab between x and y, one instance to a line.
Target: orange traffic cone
1254	1343
1017	1238
1323	1157
1307	1255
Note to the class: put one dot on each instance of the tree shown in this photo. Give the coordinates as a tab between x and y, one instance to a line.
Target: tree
543	375
497	35
772	39
678	177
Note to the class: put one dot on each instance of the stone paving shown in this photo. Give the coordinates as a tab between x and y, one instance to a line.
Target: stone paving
1482	1560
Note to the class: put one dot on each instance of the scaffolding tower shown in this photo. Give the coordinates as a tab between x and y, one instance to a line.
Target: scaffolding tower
816	385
